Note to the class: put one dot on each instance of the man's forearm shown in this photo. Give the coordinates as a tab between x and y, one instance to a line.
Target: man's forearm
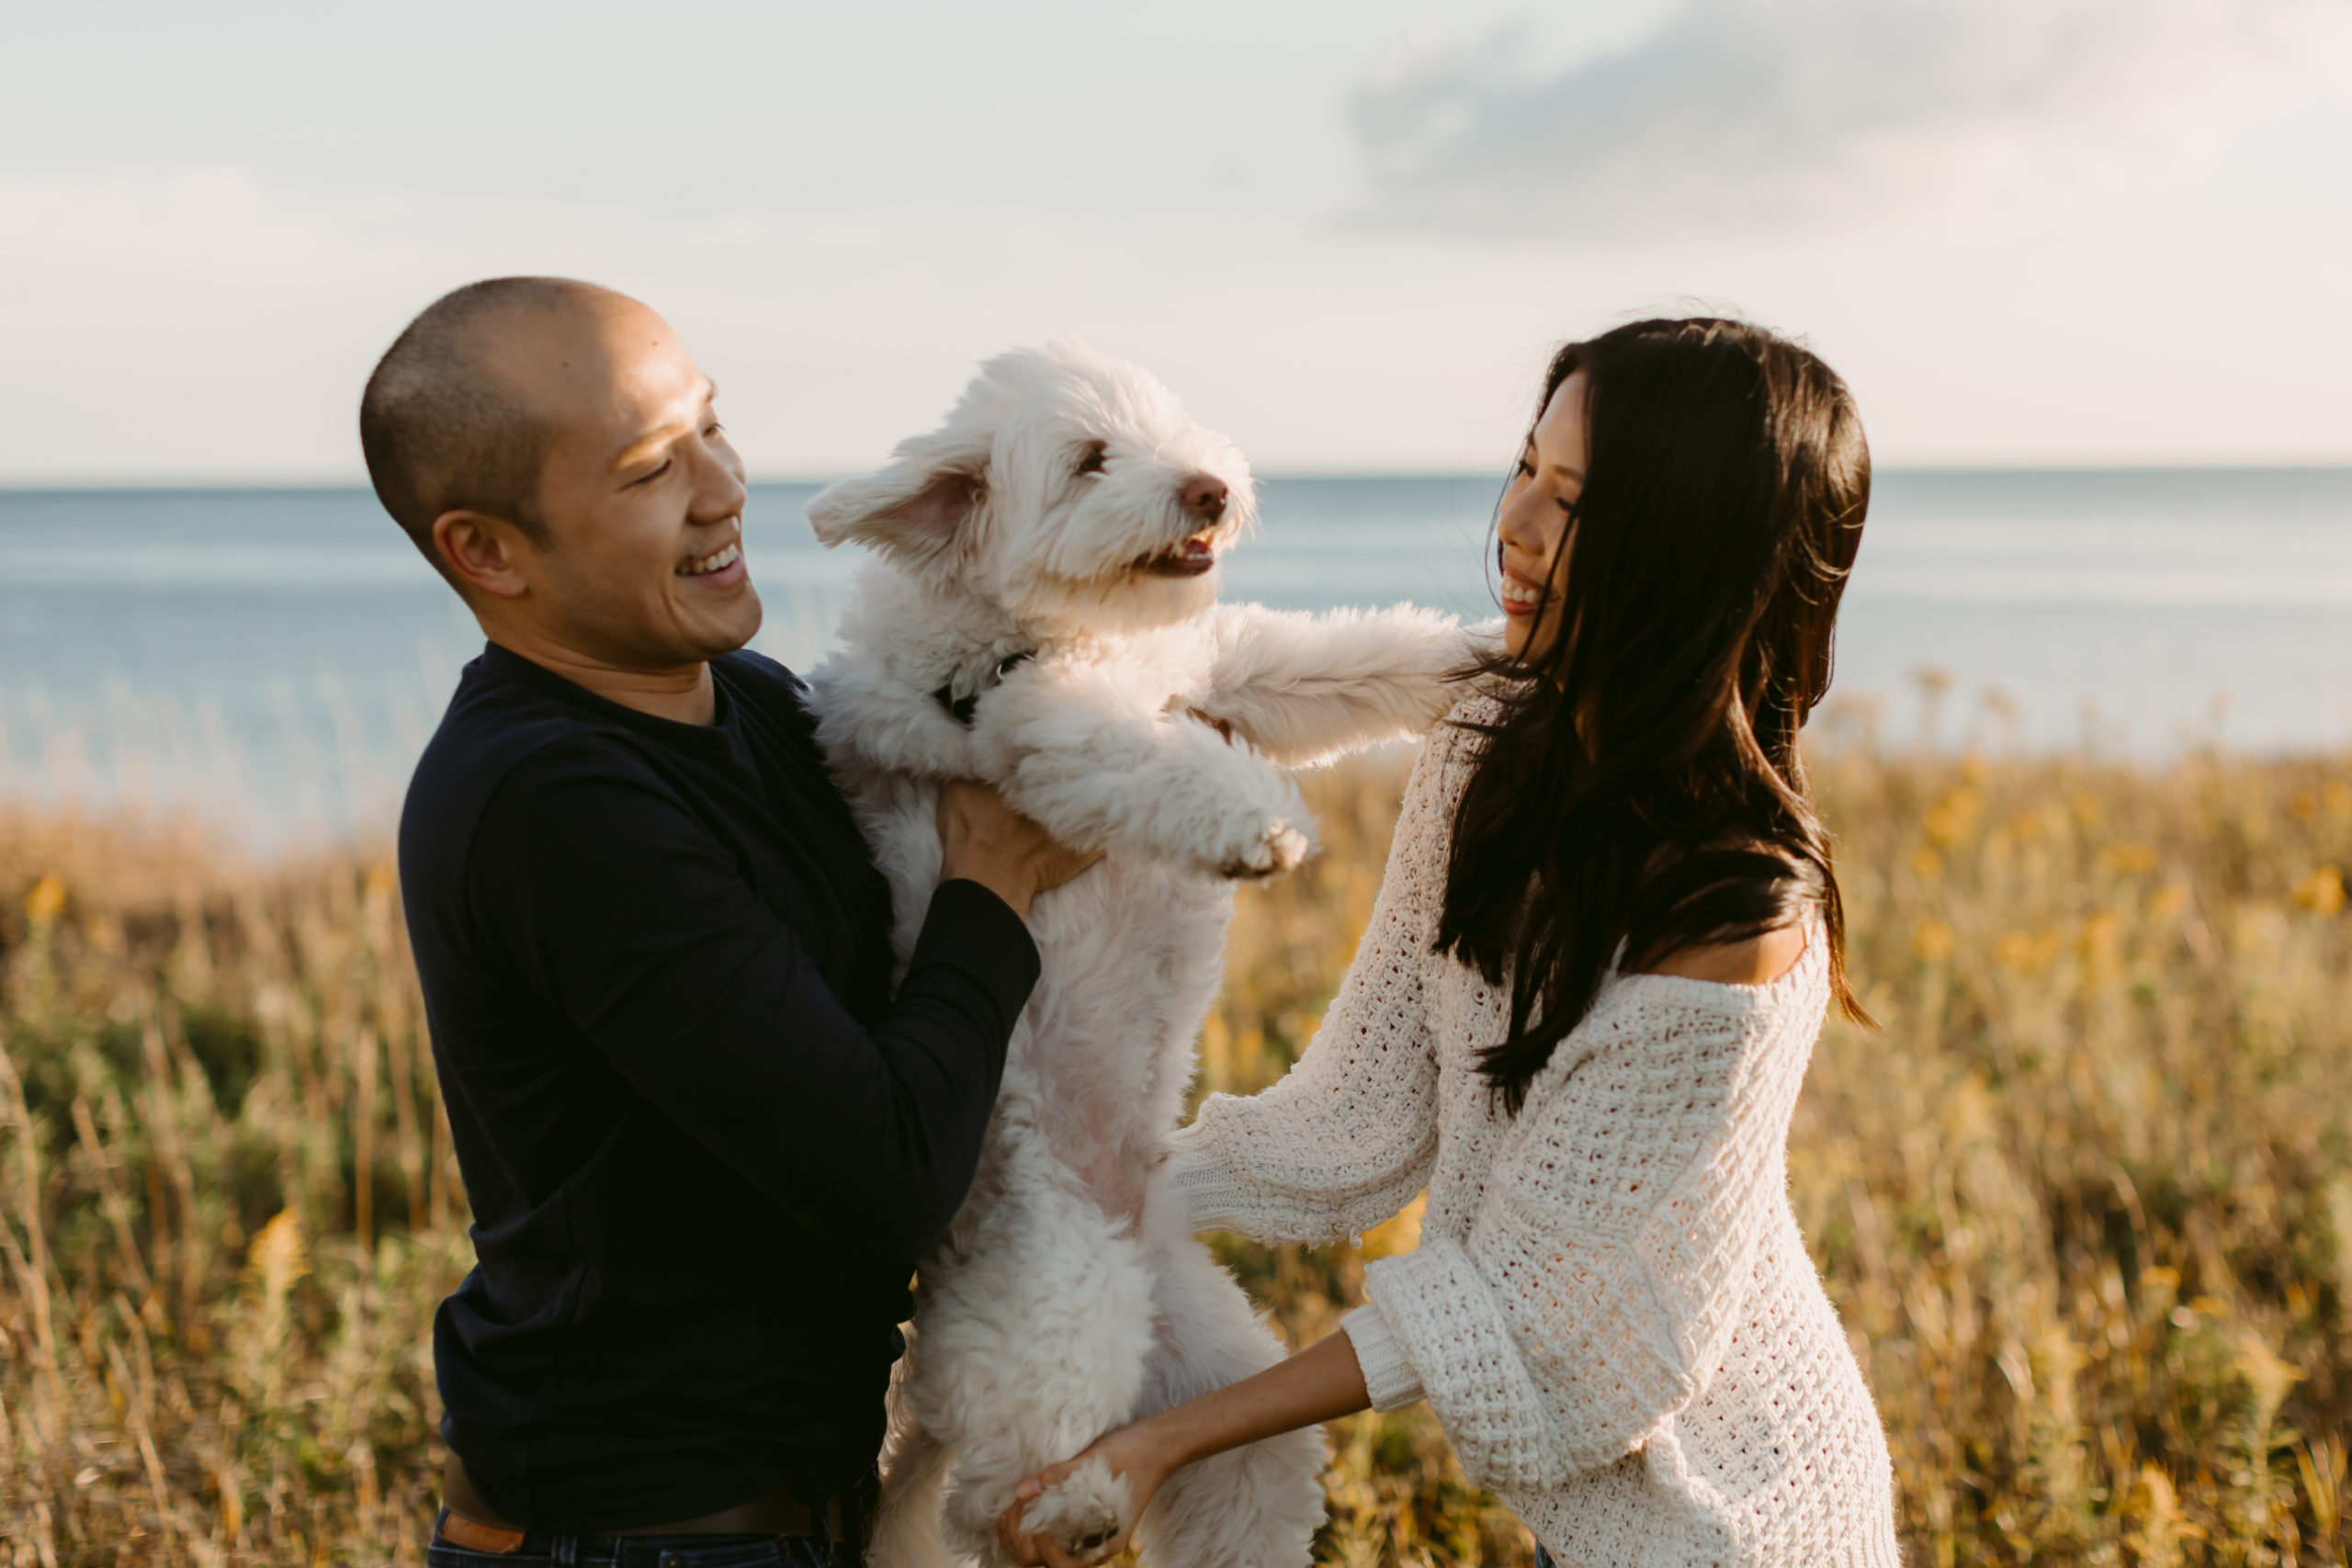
897	1129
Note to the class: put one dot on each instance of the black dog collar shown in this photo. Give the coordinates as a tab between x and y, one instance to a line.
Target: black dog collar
960	708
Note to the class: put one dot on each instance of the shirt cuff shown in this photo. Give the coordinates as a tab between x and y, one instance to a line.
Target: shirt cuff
974	929
1197	1180
1388	1375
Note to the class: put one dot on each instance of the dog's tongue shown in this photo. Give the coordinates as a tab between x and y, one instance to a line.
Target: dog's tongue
1196	549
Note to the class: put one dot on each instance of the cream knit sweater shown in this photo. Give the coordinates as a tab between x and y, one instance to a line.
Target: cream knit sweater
1611	1310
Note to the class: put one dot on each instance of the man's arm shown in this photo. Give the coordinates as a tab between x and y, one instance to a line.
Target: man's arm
616	904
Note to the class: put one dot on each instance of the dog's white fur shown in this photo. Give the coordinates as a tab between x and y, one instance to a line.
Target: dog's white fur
1154	723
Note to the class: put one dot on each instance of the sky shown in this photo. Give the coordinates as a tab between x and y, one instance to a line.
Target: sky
2029	232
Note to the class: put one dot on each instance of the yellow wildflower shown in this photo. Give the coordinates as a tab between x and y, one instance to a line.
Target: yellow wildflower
2322	892
1932	940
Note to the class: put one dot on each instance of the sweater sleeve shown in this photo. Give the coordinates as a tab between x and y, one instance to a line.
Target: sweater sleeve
1389	1376
1600	1280
617	907
1347	1136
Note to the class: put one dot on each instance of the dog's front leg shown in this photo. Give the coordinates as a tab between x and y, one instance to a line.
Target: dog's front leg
1086	750
1306	689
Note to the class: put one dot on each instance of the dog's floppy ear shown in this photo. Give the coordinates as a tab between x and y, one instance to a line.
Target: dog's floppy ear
911	509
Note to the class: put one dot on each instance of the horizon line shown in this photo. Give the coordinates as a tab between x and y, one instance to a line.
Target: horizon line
69	485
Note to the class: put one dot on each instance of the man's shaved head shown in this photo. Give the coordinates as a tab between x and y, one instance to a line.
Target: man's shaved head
443	429
556	453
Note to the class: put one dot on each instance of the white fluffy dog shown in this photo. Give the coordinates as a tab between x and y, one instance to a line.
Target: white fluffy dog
1043	614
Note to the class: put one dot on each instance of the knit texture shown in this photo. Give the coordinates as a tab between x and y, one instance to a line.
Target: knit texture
1611	1309
1389	1375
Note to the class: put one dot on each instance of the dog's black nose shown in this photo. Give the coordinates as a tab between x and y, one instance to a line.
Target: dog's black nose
1203	496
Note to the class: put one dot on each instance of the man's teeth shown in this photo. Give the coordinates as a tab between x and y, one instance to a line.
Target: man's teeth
1520	593
717	561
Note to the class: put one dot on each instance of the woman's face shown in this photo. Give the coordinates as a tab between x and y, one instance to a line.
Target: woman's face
1534	525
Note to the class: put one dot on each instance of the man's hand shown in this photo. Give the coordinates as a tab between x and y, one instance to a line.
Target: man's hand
984	841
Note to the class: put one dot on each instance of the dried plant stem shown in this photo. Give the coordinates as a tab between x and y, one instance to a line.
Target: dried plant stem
110	1198
32	1271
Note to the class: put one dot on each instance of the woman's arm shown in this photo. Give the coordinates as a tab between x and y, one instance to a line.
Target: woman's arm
1346	1139
1322	1383
1603	1273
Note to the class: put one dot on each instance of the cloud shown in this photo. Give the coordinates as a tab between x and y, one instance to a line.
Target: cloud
1747	114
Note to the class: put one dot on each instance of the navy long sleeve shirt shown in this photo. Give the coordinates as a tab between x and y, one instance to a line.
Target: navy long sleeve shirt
703	1142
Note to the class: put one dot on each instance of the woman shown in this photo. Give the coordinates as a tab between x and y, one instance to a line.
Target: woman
1606	940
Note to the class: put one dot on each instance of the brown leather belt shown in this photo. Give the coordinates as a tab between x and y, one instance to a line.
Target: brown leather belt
476	1526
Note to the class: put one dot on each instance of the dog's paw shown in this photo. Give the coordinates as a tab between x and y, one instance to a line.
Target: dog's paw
1277	848
1084	1513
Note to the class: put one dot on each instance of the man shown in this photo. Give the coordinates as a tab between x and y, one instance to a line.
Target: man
703	1142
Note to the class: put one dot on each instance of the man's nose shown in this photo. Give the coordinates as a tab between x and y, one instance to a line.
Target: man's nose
719	491
1203	496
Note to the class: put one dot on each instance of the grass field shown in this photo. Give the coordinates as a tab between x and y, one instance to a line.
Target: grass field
2085	1205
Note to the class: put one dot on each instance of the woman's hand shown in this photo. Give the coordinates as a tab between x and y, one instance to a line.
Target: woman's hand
1144	1456
1317	1385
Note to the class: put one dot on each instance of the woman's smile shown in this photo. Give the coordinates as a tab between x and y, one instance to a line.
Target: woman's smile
1521	595
1537	519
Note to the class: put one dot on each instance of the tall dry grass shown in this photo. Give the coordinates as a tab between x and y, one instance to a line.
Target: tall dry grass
2085	1205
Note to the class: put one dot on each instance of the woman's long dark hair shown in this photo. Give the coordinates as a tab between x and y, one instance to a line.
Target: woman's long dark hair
1641	783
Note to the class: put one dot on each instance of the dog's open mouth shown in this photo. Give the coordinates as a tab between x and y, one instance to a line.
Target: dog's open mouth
1194	556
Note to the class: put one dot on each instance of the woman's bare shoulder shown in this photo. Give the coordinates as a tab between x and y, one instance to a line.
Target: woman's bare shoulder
1758	961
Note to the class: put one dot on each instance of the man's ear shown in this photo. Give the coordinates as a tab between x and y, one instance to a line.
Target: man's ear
478	551
911	509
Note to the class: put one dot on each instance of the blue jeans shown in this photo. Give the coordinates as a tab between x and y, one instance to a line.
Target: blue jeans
544	1551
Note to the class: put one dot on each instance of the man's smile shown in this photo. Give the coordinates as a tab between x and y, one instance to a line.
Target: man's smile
719	560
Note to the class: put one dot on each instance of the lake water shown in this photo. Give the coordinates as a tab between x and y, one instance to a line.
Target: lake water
274	658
